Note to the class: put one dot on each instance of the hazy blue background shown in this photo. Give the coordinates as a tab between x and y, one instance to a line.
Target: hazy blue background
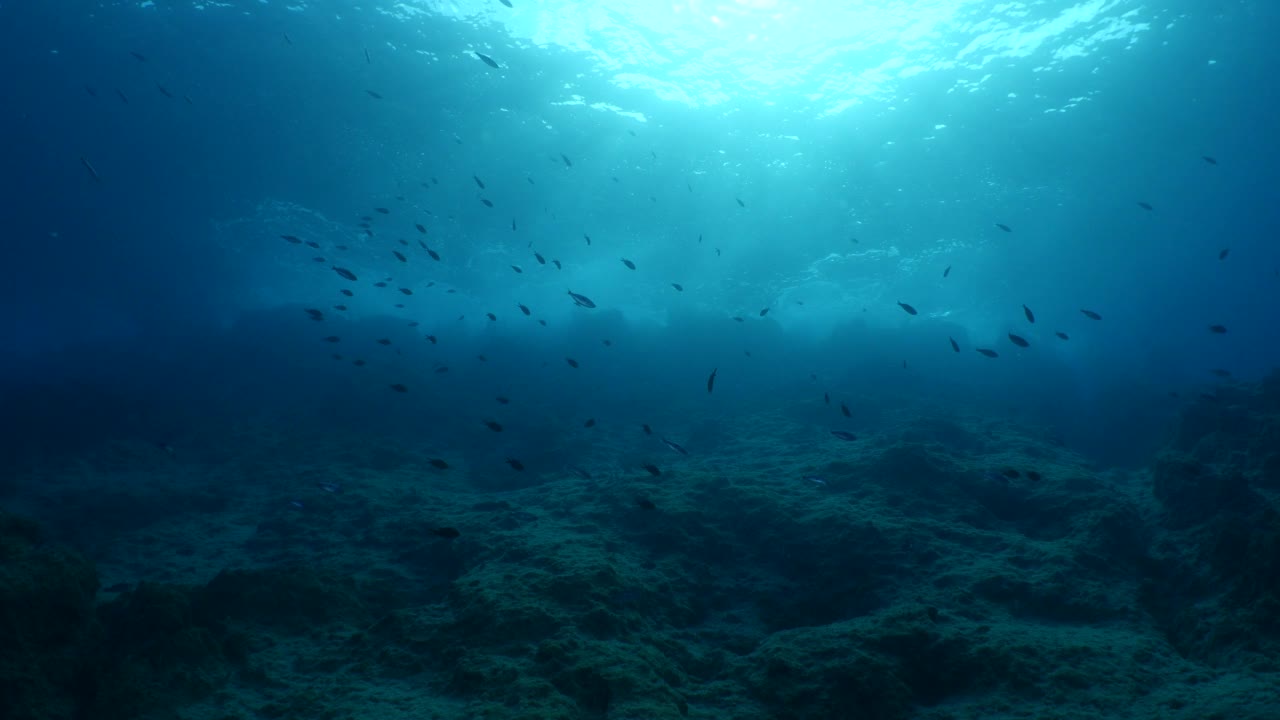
161	300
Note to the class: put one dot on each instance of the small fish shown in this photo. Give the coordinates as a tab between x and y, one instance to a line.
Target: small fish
399	256
844	410
384	341
138	56
581	300
123	98
447	533
844	435
1219	372
572	363
329	487
629	264
164	91
358	363
567	163
315	314
524	309
400	388
910	310
1145	206
515	464
433	254
541	260
647	430
478	181
332	339
288	40
674	446
653	469
1031	317
518	269
764	311
591	422
1018	340
374	95
347	292
815	479
826	398
313	244
1004	227
1222	255
587	238
607	342
1209	160
433	339
345	273
947	271
506	2
380	284
740	203
711	380
1011	473
340	307
1218	329
502	399
1033	476
438	464
420	229
487	60
491	316
645	503
93	172
487	202
406	291
580	472
1091	314
678	287
954	345
292	239
988	353
556	263
1061	335
493	425
739	318
368	60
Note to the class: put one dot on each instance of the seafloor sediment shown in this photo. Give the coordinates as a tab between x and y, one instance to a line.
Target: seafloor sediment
944	568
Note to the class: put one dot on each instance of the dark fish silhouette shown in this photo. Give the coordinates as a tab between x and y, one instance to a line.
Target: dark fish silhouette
399	388
1033	475
517	268
764	312
1091	314
332	339
1145	206
293	239
1004	227
1209	160
740	203
947	271
382	210
711	380
1062	335
647	430
653	469
1222	255
447	533
629	264
910	310
515	464
1031	317
487	60
139	56
1218	329
93	173
493	425
506	2
399	256
420	229
541	260
844	410
524	309
954	345
478	181
315	314
491	316
591	422
587	237
988	353
678	287
645	503
374	95
1018	340
844	435
826	398
572	363
487	202
581	300
567	163
438	464
368	60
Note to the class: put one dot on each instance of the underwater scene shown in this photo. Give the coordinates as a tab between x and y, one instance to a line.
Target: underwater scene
639	360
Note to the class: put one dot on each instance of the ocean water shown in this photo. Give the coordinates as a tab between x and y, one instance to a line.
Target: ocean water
712	359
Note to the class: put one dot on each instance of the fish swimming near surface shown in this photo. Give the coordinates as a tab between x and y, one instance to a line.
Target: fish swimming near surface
524	309
987	353
1091	314
629	264
487	202
1062	335
541	260
678	287
345	273
947	271
487	60
1031	317
567	162
399	256
910	310
740	203
1004	227
581	300
1018	340
764	311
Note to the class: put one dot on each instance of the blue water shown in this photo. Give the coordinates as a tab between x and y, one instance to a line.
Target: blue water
822	161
